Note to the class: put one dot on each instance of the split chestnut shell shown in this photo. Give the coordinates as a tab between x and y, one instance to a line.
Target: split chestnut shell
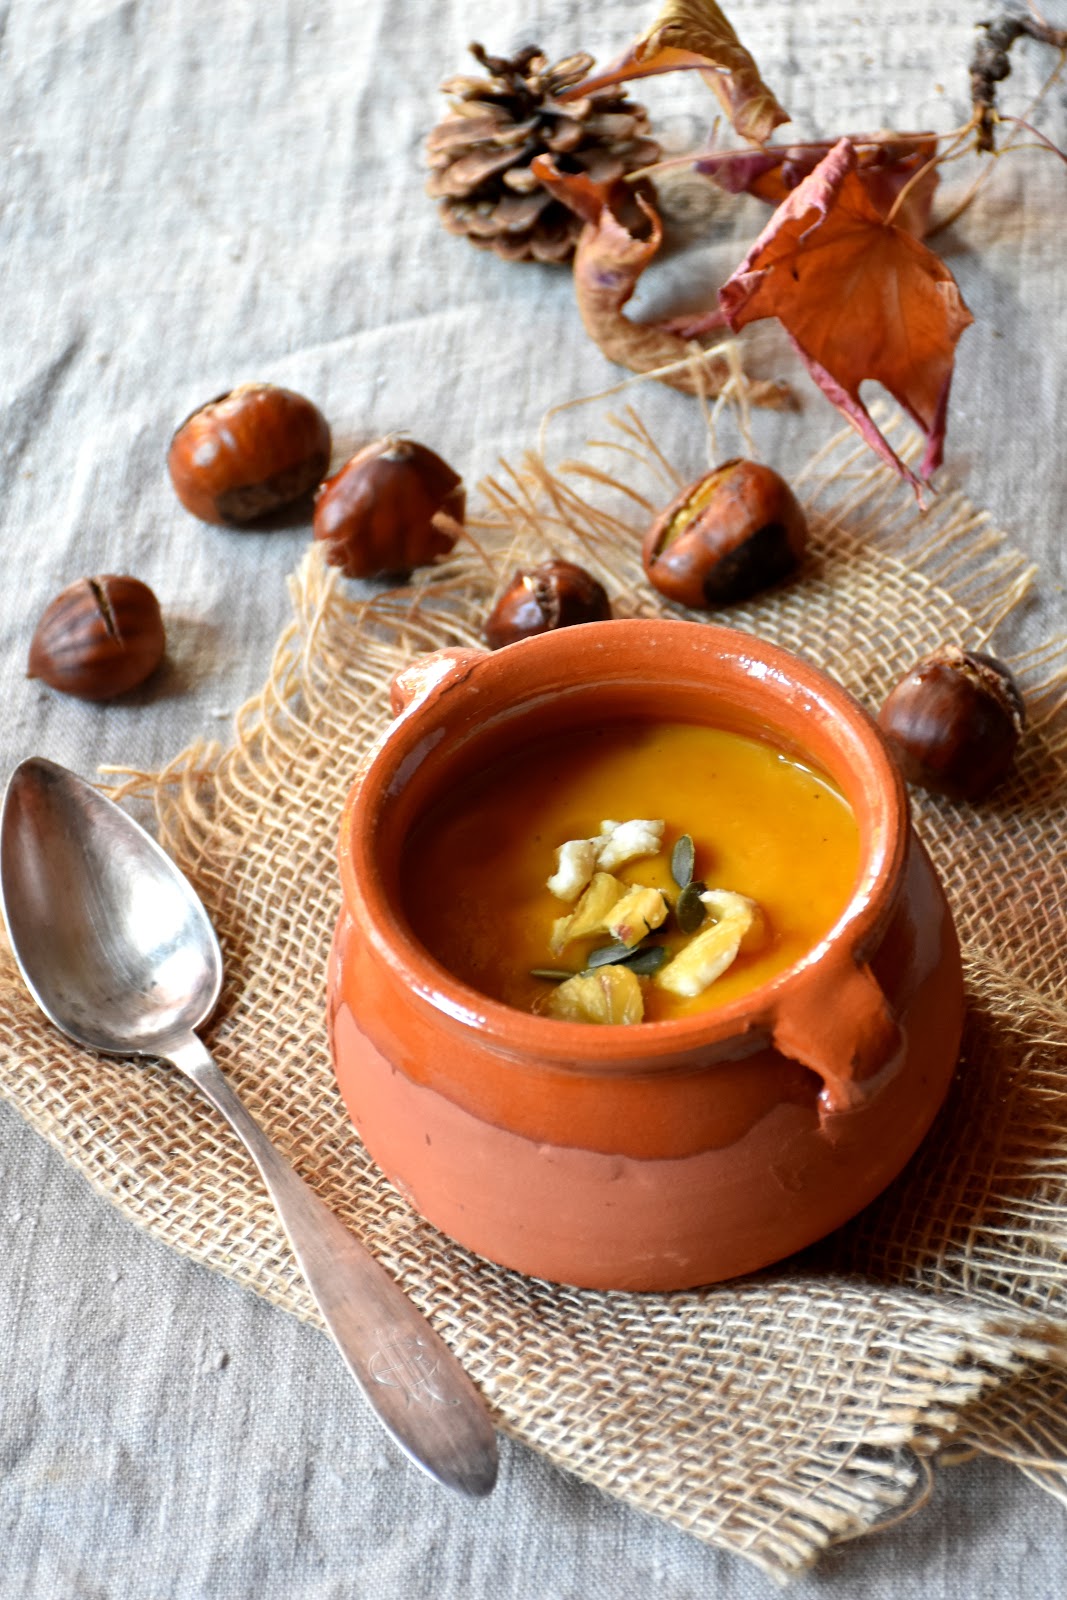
733	532
98	638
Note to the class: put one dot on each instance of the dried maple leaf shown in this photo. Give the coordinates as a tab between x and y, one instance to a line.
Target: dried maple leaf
859	298
608	262
696	34
885	165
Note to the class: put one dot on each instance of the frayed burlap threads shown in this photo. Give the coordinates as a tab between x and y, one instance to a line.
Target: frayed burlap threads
769	1417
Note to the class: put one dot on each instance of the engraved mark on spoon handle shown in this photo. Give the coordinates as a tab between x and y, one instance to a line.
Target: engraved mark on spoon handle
409	1363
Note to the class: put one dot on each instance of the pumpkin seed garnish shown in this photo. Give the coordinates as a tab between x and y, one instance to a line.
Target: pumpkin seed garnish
607	955
642	959
683	859
647	960
552	974
691	911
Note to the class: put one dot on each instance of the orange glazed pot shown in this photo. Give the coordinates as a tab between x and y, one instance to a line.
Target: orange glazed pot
665	1154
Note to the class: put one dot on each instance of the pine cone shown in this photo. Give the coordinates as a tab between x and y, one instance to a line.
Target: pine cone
481	153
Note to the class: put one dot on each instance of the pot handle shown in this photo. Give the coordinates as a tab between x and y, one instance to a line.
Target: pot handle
441	670
839	1024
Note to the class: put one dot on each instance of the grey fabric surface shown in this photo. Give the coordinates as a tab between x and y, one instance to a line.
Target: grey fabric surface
195	194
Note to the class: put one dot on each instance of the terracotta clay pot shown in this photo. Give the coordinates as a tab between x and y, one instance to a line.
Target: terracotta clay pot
667	1154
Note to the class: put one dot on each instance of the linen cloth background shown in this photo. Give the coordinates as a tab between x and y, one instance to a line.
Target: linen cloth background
193	195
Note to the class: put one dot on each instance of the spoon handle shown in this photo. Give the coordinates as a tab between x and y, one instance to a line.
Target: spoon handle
407	1373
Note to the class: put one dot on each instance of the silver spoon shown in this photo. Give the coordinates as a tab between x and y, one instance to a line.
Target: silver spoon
118	952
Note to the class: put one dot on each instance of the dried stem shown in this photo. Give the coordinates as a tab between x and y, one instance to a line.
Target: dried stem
1042	141
958	138
1012	144
991	64
860	141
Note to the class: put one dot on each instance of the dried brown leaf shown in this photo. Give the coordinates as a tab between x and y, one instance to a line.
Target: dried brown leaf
860	298
696	34
886	166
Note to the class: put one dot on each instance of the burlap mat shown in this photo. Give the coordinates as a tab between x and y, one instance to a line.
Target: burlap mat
769	1417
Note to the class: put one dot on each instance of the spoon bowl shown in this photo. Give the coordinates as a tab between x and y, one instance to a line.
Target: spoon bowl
119	953
112	941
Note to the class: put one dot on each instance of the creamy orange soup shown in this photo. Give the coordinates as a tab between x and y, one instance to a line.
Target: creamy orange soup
765	826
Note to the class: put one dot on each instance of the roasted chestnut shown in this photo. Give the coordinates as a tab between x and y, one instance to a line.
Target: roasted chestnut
733	532
247	453
394	506
954	721
98	638
555	594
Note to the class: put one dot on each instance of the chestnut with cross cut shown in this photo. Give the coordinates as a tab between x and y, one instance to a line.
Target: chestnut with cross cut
733	532
98	638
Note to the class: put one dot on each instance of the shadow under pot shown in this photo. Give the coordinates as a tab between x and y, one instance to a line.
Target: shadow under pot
718	1136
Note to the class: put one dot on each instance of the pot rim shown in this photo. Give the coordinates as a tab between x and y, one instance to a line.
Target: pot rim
884	828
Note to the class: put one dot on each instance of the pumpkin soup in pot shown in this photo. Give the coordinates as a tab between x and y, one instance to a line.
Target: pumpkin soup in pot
564	809
479	875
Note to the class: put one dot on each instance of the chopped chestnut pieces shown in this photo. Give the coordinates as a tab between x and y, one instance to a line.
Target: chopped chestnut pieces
718	925
737	925
610	994
614	845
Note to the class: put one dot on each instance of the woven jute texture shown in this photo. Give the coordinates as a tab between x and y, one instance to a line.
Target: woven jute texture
772	1416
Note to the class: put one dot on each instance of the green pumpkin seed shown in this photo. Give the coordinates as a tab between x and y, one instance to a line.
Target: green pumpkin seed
691	910
647	960
642	959
683	859
552	974
608	955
